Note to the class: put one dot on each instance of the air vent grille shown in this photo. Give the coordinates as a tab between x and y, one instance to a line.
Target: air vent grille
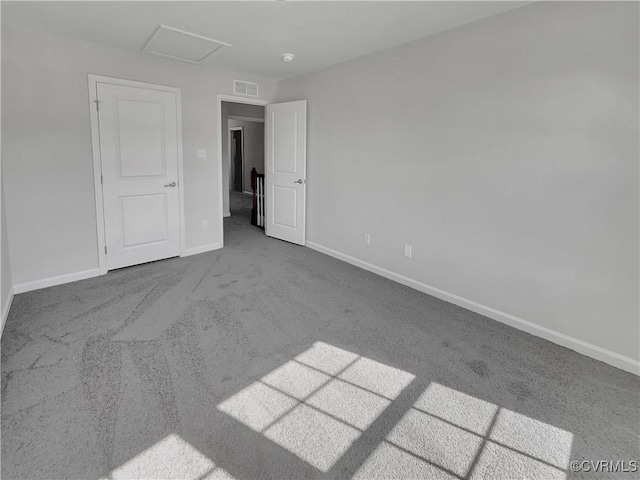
245	88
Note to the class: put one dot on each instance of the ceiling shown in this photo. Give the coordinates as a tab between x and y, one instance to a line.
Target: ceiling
319	33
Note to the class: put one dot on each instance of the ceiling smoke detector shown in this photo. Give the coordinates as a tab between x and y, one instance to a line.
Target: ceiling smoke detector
288	57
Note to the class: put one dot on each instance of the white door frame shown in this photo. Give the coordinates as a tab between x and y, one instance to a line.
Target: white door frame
97	161
230	136
232	99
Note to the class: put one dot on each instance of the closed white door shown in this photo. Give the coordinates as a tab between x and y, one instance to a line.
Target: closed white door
285	170
139	154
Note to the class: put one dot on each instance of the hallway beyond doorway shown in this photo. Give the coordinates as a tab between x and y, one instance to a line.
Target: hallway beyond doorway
240	206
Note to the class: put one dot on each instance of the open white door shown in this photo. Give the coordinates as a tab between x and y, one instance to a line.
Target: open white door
285	170
139	156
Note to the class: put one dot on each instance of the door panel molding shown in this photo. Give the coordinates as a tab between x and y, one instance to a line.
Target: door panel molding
93	81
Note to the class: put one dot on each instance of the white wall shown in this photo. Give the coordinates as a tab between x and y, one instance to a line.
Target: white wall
253	139
46	146
240	110
506	152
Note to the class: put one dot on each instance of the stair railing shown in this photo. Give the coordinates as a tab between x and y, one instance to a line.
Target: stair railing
257	185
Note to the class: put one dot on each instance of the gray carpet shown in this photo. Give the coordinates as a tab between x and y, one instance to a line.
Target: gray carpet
269	360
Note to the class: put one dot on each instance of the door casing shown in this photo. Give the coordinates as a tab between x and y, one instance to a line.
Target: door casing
97	161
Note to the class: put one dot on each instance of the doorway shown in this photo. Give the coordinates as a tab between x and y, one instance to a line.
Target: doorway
243	150
280	192
237	158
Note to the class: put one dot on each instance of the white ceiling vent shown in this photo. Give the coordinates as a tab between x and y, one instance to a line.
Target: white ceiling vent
184	46
245	88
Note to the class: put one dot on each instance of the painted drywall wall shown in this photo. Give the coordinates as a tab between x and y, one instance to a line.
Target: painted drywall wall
253	137
46	146
505	152
240	110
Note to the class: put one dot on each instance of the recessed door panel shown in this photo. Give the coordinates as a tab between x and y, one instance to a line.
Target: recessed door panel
144	219
140	133
285	200
285	125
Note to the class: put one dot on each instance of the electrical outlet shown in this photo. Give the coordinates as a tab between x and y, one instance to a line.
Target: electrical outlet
367	239
205	225
408	251
202	154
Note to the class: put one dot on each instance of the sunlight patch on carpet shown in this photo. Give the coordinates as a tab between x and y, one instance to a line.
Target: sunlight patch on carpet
319	403
450	434
170	458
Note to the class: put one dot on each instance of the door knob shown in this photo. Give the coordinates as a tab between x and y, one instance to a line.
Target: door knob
172	184
299	181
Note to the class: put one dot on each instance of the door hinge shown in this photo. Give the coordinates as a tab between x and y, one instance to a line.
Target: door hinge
97	104
105	249
101	180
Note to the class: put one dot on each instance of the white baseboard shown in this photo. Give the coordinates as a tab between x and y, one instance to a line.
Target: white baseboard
593	351
94	272
226	214
250	194
53	281
5	310
201	249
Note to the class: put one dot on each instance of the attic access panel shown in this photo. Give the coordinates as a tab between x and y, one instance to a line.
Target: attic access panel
184	46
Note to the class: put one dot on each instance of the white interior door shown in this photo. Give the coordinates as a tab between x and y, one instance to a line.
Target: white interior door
285	170
139	155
